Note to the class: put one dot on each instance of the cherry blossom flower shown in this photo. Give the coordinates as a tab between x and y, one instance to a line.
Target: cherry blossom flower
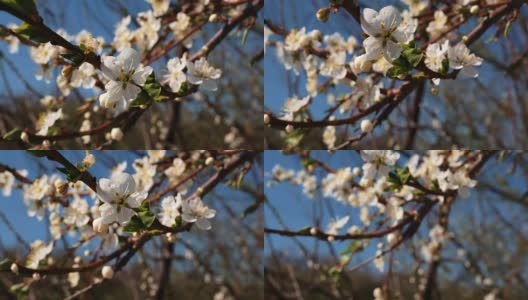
120	198
385	32
159	6
77	212
48	121
170	210
39	251
377	162
461	59
336	224
293	105
125	74
201	73
176	77
195	211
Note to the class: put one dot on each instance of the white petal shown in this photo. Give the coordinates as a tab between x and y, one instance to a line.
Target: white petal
129	58
203	224
389	17
391	51
369	22
373	47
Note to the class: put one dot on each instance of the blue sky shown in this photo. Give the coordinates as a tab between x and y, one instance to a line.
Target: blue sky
297	210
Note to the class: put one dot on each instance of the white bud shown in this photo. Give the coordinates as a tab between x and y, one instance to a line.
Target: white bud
474	9
213	18
313	231
36	276
289	128
331	238
116	134
107	272
366	125
266	119
356	171
209	161
24	137
77	260
14	268
46	144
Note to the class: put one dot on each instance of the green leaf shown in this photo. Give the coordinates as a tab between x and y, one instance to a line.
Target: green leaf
244	36
413	56
294	138
141	99
5	264
33	33
134	225
76	59
13	135
72	174
20	289
353	247
398	178
152	87
146	216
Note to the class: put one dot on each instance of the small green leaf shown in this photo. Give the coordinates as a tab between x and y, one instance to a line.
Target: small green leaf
244	36
145	215
353	247
141	99
72	174
13	135
413	56
5	264
134	225
152	87
294	138
32	33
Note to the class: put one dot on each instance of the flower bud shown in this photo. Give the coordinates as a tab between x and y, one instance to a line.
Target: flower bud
46	144
474	9
313	231
107	272
356	171
14	268
36	276
366	125
116	134
331	238
266	119
209	161
213	18
323	14
88	160
289	128
24	137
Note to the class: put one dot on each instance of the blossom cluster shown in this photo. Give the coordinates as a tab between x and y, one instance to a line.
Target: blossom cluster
391	48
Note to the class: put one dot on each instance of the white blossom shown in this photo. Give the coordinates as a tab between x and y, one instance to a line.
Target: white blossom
195	211
385	32
120	198
170	210
201	73
460	58
125	74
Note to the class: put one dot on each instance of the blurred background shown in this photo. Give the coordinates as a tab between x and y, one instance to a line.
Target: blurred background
233	112
205	264
491	227
484	113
